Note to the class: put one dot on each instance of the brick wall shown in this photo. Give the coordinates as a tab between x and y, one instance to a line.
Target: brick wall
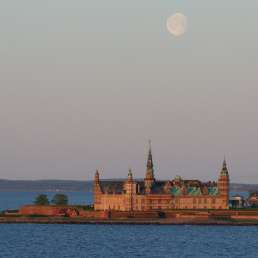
70	211
42	210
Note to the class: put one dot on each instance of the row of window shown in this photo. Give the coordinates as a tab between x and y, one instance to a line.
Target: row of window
158	204
205	201
142	201
195	201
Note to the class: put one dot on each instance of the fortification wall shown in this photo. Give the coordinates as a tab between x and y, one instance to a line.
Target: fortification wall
42	210
94	214
69	211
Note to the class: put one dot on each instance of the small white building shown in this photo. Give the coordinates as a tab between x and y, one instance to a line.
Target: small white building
237	201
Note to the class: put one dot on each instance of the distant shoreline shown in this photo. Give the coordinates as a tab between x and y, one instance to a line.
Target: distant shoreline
78	186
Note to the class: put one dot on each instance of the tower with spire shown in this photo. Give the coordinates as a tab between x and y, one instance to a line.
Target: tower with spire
134	195
149	175
223	183
97	190
130	190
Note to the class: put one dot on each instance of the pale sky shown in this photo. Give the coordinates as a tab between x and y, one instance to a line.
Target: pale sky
84	85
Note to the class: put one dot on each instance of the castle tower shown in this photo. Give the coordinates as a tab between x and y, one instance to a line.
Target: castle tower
223	183
129	184
149	176
130	176
97	191
96	178
130	190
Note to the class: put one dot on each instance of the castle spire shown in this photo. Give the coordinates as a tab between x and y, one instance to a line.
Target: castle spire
150	167
223	183
97	176
224	170
224	163
97	191
130	175
150	161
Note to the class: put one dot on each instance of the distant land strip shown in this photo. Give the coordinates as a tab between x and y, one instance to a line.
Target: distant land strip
73	185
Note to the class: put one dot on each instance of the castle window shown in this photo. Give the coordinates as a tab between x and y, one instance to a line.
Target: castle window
213	200
194	201
205	200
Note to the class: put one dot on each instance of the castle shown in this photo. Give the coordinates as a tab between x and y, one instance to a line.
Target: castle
151	194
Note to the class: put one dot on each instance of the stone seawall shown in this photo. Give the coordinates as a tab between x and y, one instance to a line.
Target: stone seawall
28	210
62	211
171	216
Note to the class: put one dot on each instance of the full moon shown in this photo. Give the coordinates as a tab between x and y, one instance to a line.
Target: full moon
177	24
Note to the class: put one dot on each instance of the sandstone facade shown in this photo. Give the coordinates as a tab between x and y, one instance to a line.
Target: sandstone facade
151	194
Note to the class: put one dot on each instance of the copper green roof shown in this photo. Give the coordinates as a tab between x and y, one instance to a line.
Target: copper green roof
213	190
176	191
194	191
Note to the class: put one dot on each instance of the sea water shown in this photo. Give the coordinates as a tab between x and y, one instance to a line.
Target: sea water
43	241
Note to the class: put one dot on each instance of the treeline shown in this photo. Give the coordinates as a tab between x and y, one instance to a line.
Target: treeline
58	199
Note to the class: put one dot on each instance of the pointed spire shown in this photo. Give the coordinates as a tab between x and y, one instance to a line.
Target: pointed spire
150	161
224	163
97	176
150	170
130	174
224	170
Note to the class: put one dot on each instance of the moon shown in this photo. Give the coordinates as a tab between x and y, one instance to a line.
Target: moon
177	24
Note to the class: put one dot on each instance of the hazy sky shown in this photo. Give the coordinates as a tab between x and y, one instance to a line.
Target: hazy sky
84	85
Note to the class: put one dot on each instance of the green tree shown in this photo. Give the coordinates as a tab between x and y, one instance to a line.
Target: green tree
60	199
41	199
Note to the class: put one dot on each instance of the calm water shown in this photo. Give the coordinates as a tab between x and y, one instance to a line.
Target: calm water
32	241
